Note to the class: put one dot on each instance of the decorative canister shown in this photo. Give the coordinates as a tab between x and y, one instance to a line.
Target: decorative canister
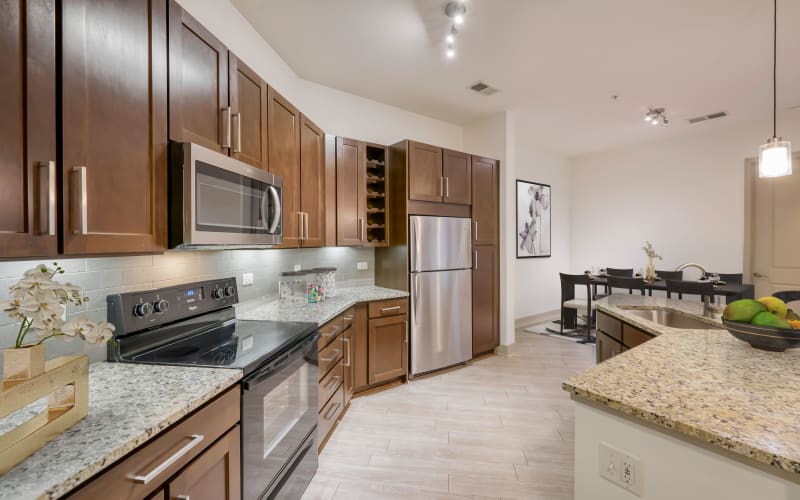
326	277
293	288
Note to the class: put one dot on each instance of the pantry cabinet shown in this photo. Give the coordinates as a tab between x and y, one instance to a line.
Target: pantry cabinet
485	299
114	134
485	200
28	191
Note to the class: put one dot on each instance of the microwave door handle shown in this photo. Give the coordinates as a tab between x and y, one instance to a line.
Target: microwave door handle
276	200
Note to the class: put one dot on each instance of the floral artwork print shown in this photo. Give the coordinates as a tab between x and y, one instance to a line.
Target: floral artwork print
533	219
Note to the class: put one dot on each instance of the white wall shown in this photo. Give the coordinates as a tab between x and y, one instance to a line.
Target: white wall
685	194
336	112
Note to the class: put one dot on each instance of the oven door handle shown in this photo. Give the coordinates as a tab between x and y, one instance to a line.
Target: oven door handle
255	378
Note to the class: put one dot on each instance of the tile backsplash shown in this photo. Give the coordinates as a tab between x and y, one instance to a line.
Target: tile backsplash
102	276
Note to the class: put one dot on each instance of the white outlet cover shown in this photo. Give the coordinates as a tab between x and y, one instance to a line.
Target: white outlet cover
362	266
247	279
297	267
621	468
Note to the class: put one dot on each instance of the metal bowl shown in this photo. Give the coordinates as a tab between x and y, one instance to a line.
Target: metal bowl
764	337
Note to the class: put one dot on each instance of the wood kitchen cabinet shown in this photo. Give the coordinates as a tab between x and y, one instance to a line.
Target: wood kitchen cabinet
360	337
457	175
198	84
312	183
485	200
284	161
388	348
425	182
214	475
485	299
348	365
28	191
615	336
351	192
248	100
607	347
114	111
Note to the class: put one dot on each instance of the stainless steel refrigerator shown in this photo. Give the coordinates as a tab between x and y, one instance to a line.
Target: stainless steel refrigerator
441	292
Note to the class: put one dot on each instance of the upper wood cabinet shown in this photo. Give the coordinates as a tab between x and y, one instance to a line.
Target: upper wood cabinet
284	161
351	192
248	99
485	200
198	84
425	182
312	183
28	191
114	112
485	299
457	174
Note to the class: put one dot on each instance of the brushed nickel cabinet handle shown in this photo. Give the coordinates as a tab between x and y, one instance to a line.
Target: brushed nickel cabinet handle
236	120
336	353
405	323
387	309
305	227
476	230
82	201
226	127
300	226
760	275
332	411
183	497
447	187
475	259
334	331
333	383
441	186
347	358
196	440
361	229
47	216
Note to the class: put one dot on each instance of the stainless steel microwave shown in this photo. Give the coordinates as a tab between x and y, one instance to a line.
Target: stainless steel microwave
217	201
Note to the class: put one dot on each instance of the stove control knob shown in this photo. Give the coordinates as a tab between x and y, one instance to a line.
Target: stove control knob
142	310
230	291
218	294
160	306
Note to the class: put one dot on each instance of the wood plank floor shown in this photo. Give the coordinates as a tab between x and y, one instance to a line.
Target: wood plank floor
499	428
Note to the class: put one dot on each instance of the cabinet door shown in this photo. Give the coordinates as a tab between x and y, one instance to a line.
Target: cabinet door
115	126
349	371
425	181
388	348
28	204
284	161
351	192
485	299
198	84
214	475
248	95
485	201
312	183
457	173
607	347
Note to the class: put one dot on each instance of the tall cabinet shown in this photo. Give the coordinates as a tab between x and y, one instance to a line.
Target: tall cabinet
28	196
486	257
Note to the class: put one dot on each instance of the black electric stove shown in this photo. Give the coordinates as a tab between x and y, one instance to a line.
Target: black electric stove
195	325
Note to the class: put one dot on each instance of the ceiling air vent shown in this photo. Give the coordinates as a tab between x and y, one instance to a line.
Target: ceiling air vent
483	88
712	116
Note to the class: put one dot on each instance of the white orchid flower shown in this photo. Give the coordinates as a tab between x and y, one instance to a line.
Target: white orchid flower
100	332
77	327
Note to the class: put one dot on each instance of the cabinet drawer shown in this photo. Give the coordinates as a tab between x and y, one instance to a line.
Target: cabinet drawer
610	326
347	318
329	356
631	337
329	331
148	468
391	307
329	414
330	383
216	473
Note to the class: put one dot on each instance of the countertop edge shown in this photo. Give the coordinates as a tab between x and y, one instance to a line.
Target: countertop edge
91	470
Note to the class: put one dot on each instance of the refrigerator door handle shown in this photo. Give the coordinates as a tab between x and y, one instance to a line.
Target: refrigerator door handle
415	298
417	246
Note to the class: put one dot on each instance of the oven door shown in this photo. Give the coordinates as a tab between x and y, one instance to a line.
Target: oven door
279	423
226	202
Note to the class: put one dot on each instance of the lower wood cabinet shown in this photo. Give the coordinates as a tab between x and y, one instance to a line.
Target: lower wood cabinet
607	347
214	475
388	348
485	299
348	367
615	337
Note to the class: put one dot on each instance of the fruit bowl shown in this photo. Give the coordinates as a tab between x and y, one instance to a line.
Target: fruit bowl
764	337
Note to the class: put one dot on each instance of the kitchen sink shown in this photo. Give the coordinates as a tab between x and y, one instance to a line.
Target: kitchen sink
674	319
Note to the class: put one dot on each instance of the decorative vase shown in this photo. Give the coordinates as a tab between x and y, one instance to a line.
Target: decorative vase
27	378
650	271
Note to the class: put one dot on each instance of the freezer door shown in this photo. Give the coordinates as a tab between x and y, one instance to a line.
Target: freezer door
439	243
441	319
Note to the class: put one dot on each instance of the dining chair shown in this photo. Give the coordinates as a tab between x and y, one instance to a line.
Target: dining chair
701	288
629	284
625	273
732	278
788	295
585	307
667	275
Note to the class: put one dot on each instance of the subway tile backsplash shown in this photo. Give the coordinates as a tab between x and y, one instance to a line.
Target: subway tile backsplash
106	275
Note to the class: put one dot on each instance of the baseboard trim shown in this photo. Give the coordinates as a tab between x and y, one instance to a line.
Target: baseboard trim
537	319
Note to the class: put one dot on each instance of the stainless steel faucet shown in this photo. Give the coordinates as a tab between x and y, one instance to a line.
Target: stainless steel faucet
710	310
695	265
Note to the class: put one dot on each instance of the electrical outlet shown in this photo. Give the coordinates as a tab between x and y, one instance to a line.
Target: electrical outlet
247	279
297	267
362	266
621	468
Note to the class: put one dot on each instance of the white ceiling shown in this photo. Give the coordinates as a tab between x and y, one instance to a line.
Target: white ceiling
559	61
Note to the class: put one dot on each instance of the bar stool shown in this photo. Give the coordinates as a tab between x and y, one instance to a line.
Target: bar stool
701	288
667	275
630	284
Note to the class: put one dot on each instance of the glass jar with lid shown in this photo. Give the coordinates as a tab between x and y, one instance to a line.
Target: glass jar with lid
326	278
293	288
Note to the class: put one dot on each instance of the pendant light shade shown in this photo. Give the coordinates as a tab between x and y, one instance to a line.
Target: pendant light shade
775	157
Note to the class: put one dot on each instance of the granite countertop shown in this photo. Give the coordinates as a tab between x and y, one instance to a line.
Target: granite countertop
704	384
321	312
128	405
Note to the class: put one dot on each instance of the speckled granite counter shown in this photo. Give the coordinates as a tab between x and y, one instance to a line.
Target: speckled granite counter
704	384
128	404
319	313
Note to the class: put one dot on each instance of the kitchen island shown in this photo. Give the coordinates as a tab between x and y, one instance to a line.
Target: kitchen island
700	413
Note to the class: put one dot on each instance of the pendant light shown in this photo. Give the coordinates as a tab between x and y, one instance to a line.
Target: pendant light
775	157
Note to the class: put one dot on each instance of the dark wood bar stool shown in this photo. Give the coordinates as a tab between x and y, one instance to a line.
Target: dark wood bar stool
701	288
629	284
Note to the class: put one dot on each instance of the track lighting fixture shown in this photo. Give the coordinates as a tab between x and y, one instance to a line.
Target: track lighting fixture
455	10
656	116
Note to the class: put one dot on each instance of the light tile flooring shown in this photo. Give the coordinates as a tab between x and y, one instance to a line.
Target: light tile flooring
499	428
